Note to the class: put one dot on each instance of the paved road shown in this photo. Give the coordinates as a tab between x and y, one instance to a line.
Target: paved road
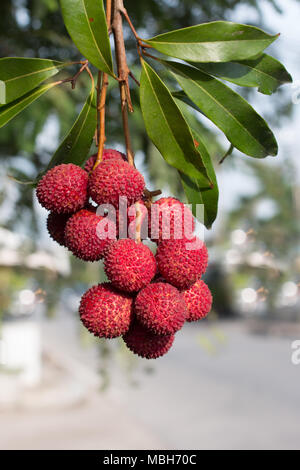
218	388
244	396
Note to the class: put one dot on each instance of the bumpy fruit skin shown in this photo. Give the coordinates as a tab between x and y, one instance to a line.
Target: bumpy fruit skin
105	312
146	344
56	225
170	219
63	189
108	154
81	235
129	265
114	178
179	265
160	308
198	299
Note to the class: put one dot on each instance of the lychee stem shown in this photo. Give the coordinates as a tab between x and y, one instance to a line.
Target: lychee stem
138	222
123	73
101	97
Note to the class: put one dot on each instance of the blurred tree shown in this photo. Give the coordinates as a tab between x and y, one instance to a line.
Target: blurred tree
34	28
269	255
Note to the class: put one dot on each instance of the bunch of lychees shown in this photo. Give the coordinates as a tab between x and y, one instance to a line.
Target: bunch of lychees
149	297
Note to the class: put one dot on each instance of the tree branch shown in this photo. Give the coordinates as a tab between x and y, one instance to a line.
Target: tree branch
101	98
123	73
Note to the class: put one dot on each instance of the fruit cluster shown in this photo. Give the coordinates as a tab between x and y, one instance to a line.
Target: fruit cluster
148	298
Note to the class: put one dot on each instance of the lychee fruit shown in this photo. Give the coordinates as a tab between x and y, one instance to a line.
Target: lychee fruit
129	265
146	344
108	154
56	225
105	312
160	308
170	219
86	238
63	189
198	299
113	179
182	262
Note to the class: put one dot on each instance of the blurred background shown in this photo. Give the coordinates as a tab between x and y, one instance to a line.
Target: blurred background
228	382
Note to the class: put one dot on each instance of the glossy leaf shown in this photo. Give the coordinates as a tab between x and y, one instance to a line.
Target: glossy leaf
18	75
9	111
264	72
86	23
182	96
193	187
76	145
218	41
241	124
167	128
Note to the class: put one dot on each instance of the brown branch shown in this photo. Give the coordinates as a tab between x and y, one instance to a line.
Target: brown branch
101	98
131	74
74	79
123	73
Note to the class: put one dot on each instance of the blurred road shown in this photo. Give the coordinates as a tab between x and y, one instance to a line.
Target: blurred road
245	394
219	388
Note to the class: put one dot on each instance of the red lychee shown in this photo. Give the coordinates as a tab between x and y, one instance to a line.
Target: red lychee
56	224
160	308
105	312
129	265
84	237
182	262
113	179
198	299
108	154
146	344
63	189
170	219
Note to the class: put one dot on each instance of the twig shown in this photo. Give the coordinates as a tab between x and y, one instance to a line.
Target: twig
138	39
123	73
229	152
101	98
74	79
131	74
149	55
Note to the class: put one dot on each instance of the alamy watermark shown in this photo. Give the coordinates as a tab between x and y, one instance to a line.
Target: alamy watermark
156	222
295	357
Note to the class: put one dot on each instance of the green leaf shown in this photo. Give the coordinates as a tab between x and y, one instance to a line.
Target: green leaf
9	111
218	41
264	72
193	187
167	128
76	145
19	75
86	23
182	96
241	124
